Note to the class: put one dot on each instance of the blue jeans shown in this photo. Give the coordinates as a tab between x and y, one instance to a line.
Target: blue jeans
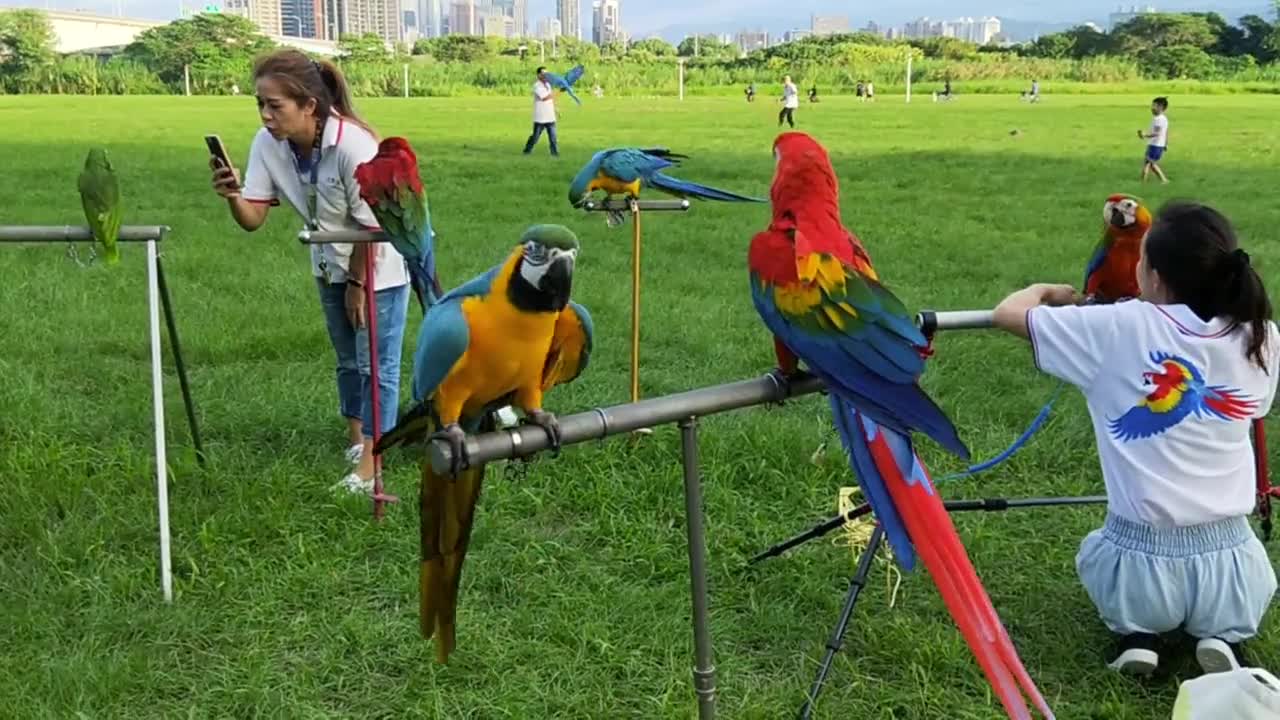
537	133
355	398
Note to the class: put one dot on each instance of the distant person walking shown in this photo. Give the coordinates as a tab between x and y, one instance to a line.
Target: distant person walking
871	91
544	114
1158	139
790	101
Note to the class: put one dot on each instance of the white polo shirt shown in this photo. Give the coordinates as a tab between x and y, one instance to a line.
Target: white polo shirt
543	112
273	172
1171	397
1160	129
790	96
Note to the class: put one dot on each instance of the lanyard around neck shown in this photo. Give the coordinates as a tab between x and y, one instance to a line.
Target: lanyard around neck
312	218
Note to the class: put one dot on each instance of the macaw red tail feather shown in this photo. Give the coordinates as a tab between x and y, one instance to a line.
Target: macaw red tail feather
935	541
1229	405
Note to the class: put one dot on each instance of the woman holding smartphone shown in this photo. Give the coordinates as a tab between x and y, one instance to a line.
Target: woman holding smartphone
306	154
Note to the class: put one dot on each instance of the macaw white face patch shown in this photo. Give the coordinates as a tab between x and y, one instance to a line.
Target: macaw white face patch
539	258
1127	207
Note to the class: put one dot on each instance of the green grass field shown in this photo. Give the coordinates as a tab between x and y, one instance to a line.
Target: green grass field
290	602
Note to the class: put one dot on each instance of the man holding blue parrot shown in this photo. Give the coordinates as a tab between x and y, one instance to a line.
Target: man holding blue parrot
544	114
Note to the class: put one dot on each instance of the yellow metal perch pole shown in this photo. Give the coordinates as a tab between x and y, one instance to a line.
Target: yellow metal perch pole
616	207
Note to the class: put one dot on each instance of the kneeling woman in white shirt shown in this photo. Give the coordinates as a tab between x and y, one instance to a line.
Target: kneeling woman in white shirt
1173	381
306	154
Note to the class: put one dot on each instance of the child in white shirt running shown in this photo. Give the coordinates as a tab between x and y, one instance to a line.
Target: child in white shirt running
1173	381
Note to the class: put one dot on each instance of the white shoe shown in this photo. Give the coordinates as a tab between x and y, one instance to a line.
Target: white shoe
354	453
1216	656
353	484
1136	661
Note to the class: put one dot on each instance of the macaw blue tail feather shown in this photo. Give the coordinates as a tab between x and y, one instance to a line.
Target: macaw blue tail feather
685	188
569	89
422	274
849	426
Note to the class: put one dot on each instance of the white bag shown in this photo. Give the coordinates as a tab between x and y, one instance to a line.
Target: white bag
1244	694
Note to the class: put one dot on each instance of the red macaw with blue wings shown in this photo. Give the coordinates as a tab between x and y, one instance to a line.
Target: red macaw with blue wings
1180	391
815	288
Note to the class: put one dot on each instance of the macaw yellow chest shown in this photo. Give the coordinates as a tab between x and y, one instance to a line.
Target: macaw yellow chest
614	186
506	352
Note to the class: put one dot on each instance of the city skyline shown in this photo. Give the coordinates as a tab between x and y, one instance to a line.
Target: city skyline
646	18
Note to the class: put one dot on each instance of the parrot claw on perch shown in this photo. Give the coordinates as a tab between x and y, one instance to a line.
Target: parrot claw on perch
783	380
459	458
547	421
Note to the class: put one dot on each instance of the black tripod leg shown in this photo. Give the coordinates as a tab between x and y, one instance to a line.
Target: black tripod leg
177	360
837	634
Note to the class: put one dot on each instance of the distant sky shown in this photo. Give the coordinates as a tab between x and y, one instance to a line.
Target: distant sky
643	17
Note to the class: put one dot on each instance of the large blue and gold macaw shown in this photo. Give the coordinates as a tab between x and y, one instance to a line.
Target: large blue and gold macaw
625	171
565	82
504	338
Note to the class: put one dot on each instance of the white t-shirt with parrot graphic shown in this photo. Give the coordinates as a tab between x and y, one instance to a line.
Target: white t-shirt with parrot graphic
1171	397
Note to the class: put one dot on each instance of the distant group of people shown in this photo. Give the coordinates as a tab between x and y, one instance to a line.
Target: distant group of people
866	90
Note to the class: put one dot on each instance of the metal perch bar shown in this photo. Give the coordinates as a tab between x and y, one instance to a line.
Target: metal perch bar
624	205
930	321
320	237
603	422
76	233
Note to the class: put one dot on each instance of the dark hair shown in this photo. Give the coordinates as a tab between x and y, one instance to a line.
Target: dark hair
303	79
540	69
1161	101
1195	251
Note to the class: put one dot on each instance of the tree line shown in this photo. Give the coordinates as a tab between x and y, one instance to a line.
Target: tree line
215	53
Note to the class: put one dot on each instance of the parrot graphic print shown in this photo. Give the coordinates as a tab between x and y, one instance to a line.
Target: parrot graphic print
1179	391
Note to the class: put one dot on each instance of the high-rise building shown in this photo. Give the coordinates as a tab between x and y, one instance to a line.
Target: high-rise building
549	28
358	17
569	13
431	18
464	18
263	13
981	31
606	25
794	35
750	40
828	24
302	18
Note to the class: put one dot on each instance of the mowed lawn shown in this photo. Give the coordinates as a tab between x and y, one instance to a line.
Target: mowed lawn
291	602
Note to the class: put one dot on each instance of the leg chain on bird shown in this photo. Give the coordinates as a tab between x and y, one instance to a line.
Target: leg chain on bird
857	535
614	218
74	255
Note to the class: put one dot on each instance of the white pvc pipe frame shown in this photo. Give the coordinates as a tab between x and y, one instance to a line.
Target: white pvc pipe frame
150	234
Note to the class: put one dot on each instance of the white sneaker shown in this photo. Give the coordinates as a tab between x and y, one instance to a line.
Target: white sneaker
354	453
1136	661
353	484
1216	656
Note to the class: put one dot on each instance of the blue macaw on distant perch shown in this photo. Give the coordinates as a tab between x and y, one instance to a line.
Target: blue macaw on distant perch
624	171
566	81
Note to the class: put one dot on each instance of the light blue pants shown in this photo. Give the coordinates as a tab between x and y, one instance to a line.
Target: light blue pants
355	394
1214	580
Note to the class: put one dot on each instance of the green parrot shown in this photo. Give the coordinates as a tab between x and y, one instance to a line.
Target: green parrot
100	195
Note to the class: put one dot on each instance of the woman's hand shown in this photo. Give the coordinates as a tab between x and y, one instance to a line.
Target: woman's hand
355	305
226	181
1057	295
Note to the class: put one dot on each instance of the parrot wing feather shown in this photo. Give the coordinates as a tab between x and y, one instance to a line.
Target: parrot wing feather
447	506
1097	259
630	164
570	349
575	74
100	198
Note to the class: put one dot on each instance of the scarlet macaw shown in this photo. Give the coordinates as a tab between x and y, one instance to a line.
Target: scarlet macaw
815	288
390	184
624	171
503	338
1112	272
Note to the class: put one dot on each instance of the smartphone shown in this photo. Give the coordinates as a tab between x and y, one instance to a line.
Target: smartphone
217	150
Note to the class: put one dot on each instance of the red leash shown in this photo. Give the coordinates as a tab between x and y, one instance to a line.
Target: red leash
1265	490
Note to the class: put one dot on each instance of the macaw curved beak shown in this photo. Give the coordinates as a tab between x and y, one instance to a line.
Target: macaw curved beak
1118	218
558	279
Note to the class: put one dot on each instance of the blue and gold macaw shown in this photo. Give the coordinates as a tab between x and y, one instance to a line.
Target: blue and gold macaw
566	81
504	338
625	171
